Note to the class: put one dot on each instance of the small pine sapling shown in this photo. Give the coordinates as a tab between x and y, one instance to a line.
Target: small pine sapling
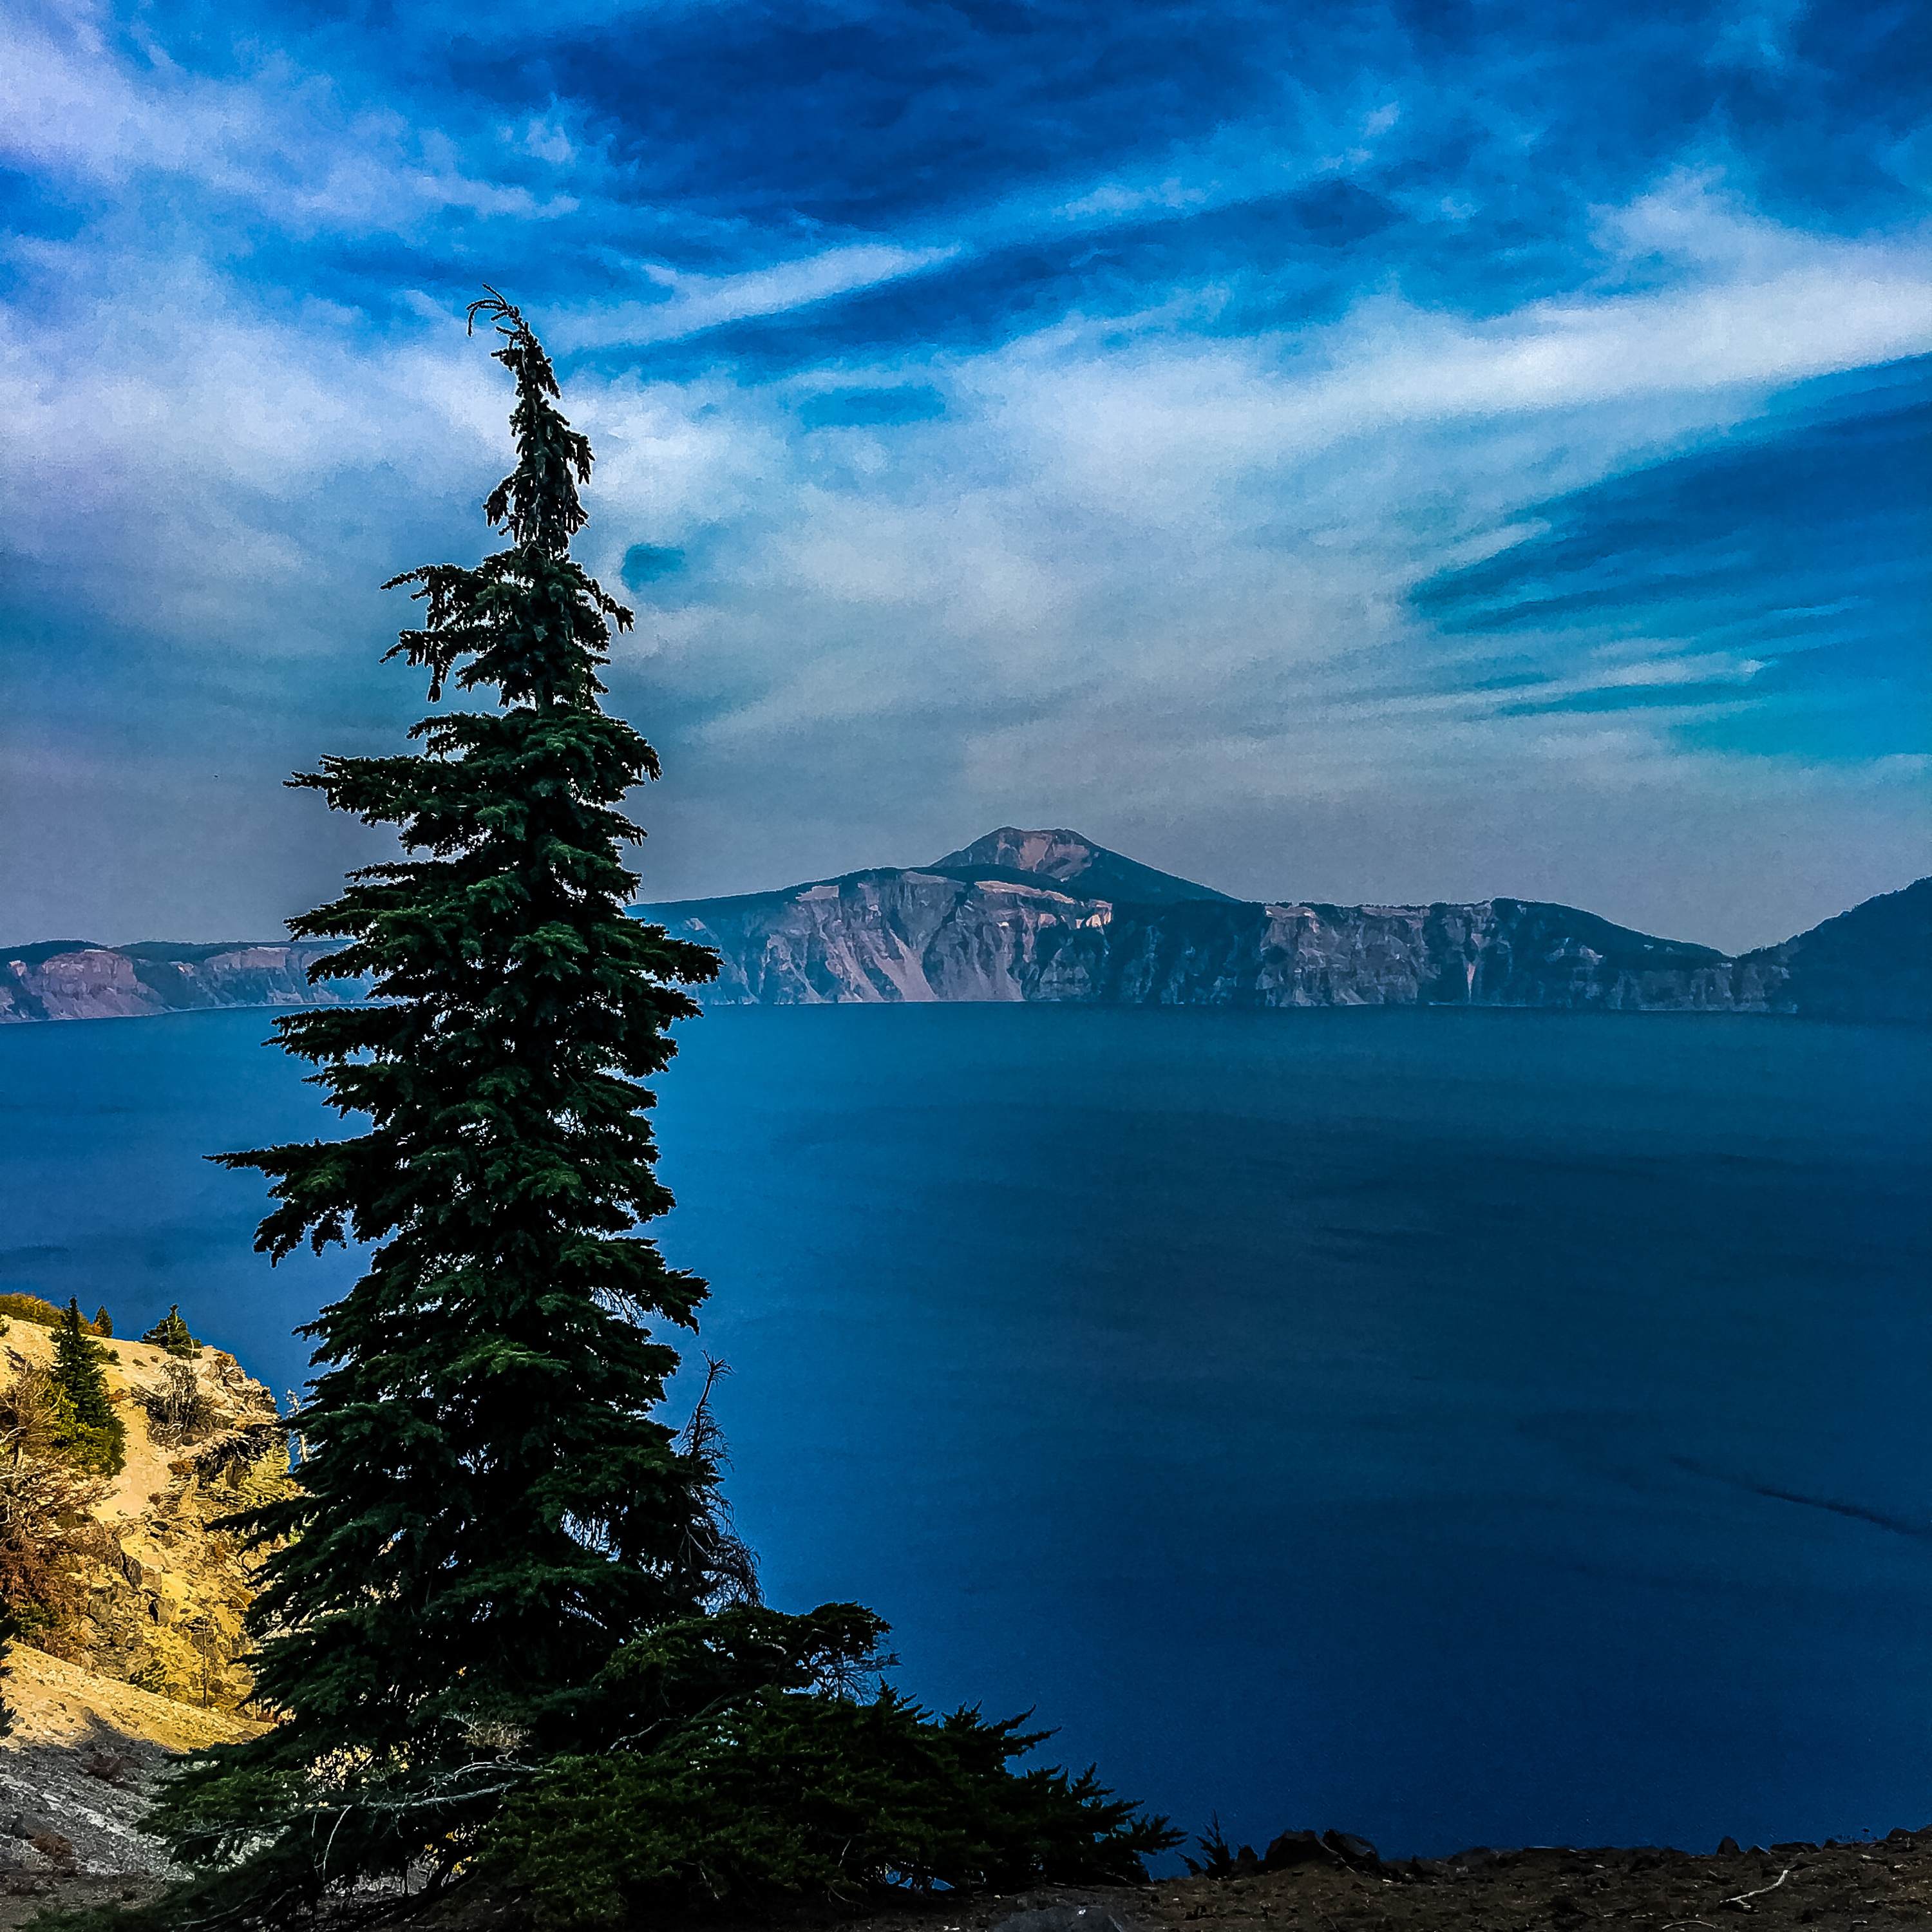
9	1629
171	1333
92	1434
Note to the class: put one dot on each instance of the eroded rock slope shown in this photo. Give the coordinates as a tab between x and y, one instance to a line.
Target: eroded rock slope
1047	916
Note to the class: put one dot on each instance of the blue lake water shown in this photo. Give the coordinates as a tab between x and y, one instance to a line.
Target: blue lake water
1453	1426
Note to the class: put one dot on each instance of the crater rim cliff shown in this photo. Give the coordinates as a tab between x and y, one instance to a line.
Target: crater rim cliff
1045	914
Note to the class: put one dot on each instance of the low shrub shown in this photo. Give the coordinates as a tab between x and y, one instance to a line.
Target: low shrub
756	1777
178	1408
44	1314
800	1798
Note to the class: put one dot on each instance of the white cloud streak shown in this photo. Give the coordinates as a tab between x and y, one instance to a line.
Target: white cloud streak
691	302
277	139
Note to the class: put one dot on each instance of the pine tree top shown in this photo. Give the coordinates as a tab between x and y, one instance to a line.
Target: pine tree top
533	621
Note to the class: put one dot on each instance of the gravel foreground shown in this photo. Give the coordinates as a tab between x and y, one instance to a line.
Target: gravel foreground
1835	1887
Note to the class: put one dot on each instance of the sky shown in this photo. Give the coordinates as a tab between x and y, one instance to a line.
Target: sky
1363	452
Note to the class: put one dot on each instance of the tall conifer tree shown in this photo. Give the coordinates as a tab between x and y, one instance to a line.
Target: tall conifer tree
505	1621
489	1505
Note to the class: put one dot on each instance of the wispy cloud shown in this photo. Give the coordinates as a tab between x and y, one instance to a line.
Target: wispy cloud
688	302
277	137
1218	445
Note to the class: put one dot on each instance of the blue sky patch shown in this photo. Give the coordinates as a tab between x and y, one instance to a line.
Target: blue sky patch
871	408
649	563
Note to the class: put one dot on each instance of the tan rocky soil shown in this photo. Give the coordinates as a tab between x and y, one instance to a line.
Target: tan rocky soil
76	1774
157	1667
165	1612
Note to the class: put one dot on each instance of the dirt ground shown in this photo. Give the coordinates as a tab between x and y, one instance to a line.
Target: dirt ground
1834	1887
1838	1887
76	1774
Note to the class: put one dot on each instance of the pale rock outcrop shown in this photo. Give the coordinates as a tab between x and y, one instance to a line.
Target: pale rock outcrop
158	1665
166	1599
59	979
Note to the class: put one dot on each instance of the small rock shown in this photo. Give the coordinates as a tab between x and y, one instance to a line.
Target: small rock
1478	1858
1356	1851
1429	1868
1068	1919
1246	1864
1296	1848
1729	1848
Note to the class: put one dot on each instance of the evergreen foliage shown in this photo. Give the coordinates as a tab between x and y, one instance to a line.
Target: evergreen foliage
49	1536
171	1333
1217	1855
752	1776
9	1628
90	1433
103	1325
505	1621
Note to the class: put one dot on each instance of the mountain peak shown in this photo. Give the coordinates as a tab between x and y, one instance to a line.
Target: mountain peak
1058	854
1070	860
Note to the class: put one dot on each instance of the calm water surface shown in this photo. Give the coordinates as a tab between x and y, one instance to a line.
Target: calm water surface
1453	1427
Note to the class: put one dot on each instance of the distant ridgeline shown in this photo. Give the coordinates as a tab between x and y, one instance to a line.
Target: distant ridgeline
1048	916
71	980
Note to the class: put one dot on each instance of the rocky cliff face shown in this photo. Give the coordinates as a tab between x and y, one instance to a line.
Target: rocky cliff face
69	979
1018	916
154	1662
922	936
